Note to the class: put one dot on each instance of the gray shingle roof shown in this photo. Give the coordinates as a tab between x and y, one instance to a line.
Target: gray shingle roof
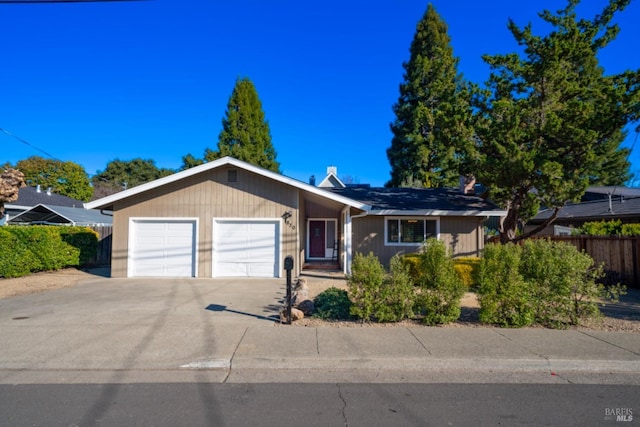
434	201
594	211
29	196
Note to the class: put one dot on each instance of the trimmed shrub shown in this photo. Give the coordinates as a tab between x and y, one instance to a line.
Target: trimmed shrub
412	262
16	259
332	303
396	296
84	239
42	248
631	229
377	295
365	283
468	268
504	295
544	282
564	283
441	287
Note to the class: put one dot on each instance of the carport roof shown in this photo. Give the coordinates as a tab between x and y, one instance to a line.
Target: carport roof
43	214
107	202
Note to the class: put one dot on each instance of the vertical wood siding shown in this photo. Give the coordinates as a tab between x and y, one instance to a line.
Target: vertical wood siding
207	196
463	235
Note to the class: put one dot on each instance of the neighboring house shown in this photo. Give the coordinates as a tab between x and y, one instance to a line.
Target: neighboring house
598	204
29	197
230	218
61	215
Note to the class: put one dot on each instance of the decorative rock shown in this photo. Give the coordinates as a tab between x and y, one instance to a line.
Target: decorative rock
295	315
307	307
300	291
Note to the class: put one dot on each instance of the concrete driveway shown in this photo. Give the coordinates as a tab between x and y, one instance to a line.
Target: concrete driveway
134	324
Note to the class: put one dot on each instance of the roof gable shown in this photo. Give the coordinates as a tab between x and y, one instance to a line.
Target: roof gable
107	202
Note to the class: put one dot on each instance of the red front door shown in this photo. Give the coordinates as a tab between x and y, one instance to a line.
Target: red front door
317	242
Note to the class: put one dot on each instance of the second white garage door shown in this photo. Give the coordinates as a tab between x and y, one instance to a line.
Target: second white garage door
246	248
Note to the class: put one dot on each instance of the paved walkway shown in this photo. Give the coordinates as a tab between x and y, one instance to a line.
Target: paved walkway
120	331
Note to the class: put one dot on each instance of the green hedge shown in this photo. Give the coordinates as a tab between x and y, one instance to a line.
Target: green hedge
608	228
543	282
28	249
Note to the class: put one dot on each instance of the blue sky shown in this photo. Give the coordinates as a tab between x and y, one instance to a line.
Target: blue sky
92	82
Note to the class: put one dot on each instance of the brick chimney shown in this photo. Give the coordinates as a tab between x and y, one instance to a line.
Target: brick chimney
467	185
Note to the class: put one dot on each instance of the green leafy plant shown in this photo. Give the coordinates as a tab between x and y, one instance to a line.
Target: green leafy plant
441	287
378	295
332	303
504	296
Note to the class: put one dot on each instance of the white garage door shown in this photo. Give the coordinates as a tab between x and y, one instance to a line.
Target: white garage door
162	248
246	248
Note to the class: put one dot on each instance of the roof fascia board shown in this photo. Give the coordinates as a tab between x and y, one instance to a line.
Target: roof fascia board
436	212
327	180
105	201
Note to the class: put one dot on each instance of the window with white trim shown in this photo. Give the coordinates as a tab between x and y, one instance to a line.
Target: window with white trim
409	231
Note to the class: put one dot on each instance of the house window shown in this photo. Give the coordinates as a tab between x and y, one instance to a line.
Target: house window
409	231
232	175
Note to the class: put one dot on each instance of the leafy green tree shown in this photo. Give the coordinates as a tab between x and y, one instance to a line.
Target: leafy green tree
122	174
550	122
245	133
65	178
433	114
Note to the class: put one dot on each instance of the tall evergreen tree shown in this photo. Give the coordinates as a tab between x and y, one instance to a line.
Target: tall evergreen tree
432	112
551	122
245	133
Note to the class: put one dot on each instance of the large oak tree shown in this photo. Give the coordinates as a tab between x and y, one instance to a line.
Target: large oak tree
66	178
551	122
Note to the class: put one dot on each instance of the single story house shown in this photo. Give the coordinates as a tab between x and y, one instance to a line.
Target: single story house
29	197
597	204
229	218
61	215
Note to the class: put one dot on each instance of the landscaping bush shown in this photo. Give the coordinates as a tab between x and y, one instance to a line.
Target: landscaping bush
440	286
396	296
16	259
43	248
543	282
564	283
468	268
332	303
84	239
504	295
412	262
608	228
631	229
377	295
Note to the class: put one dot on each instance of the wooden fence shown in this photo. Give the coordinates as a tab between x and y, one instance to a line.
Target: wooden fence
103	256
620	255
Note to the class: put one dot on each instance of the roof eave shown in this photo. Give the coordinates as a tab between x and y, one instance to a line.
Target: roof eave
436	212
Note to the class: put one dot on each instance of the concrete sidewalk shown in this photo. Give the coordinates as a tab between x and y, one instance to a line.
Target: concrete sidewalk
110	331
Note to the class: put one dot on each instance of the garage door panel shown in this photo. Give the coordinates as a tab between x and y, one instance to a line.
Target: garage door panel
163	248
246	248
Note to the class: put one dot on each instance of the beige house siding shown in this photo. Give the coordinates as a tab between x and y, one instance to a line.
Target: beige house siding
207	196
464	235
